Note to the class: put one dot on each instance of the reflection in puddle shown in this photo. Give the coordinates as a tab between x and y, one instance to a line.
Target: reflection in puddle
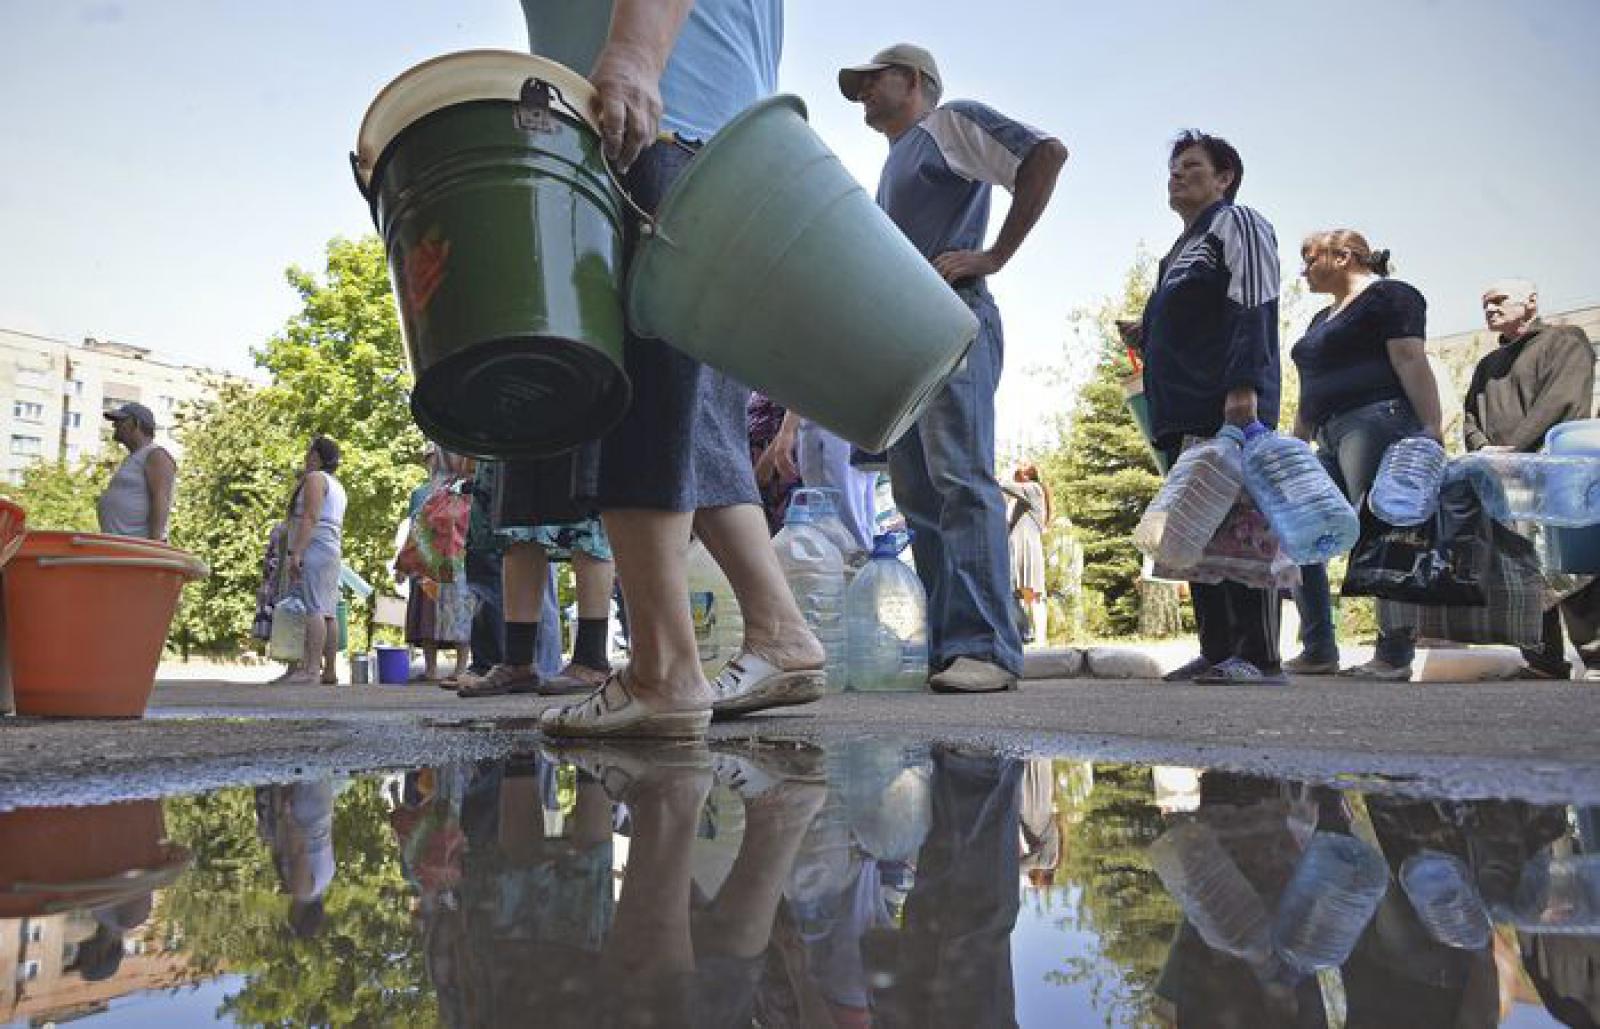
779	884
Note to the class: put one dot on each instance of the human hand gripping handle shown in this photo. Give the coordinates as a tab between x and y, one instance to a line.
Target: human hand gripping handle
1240	406
627	75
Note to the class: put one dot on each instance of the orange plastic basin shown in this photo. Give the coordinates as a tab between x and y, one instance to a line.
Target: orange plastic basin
61	858
86	618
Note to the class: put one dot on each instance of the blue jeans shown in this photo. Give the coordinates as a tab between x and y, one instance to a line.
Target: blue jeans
942	472
1350	446
489	621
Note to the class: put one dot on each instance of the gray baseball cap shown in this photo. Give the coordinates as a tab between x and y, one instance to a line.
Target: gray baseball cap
902	55
138	412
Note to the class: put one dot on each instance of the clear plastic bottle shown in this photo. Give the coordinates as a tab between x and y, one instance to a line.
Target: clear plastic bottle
1441	892
1332	896
1215	896
288	641
1561	490
718	623
826	501
886	623
1558	893
1311	517
1406	490
1198	494
814	570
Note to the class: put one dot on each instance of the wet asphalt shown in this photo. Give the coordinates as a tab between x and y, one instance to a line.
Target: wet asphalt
1533	740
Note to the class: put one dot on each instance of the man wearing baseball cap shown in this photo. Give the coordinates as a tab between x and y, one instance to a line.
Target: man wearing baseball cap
138	500
943	161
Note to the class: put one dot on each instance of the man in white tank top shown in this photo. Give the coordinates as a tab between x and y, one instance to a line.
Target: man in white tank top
138	500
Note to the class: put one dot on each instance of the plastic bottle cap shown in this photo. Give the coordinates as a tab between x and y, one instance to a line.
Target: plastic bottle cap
1255	429
1231	432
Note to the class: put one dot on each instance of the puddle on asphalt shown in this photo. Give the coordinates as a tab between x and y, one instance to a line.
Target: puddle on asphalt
778	884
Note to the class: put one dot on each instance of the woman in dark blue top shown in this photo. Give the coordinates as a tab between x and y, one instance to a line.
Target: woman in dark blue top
1364	383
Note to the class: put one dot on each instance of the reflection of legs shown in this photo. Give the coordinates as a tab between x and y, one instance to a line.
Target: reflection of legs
650	935
955	957
738	922
774	628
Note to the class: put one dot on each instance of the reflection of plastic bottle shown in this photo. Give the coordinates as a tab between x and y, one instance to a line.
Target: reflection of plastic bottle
1440	889
1215	896
1406	490
1545	488
718	625
886	623
1198	494
1559	894
814	570
1334	893
1311	517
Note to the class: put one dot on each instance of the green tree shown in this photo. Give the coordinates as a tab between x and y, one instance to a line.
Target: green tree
365	968
1101	471
338	368
59	495
1120	900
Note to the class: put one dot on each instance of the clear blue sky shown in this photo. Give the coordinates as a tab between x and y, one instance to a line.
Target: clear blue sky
164	160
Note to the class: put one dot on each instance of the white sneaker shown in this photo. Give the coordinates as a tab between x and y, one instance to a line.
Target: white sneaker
969	675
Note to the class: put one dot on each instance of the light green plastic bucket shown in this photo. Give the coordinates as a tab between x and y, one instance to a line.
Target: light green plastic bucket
770	263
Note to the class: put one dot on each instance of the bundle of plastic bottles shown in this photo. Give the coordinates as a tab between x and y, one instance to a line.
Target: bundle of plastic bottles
1549	489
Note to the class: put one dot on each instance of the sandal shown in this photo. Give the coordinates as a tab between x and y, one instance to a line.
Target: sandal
1237	669
574	678
1380	671
618	765
1187	671
751	683
613	711
499	681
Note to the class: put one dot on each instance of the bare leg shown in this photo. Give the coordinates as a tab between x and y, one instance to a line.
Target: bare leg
330	652
651	547
522	577
305	670
430	660
774	628
595	578
463	655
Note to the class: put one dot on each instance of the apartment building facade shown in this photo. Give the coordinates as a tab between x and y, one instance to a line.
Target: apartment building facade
53	392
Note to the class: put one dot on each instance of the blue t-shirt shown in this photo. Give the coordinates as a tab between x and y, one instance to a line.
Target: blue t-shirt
725	60
1344	358
936	183
1211	323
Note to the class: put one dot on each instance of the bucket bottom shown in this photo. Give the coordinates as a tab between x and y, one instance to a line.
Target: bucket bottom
521	397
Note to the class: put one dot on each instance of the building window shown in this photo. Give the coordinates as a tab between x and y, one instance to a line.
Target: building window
166	403
27	446
71	420
27	411
27	971
36	378
35	932
74	388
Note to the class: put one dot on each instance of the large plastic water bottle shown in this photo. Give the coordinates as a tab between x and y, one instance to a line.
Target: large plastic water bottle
1406	490
1199	492
1215	896
1558	893
1562	490
1311	517
1332	896
718	623
814	570
886	623
1441	892
288	640
826	501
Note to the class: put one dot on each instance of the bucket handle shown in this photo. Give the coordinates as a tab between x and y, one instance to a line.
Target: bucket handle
144	548
189	569
536	95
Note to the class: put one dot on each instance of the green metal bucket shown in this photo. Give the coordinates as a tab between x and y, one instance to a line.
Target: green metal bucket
504	237
770	263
